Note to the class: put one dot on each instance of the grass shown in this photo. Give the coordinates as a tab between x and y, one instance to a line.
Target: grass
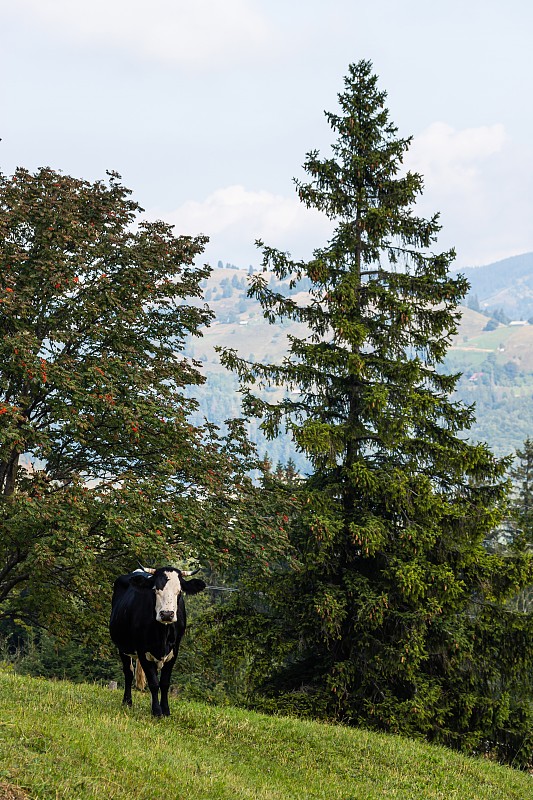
64	741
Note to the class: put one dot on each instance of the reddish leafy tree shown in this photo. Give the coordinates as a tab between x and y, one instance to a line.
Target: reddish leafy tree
99	464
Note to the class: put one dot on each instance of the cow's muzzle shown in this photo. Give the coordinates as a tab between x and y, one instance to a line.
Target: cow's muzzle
166	617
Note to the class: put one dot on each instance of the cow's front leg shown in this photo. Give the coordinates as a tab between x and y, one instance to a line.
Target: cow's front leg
164	685
127	667
150	670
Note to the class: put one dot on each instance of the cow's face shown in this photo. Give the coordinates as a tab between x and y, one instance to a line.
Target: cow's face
167	589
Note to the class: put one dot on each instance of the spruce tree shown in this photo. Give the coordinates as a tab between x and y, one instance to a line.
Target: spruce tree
385	618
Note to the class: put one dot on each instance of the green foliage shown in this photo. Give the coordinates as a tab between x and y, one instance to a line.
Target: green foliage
230	650
504	408
30	651
219	399
491	325
100	466
500	315
517	536
473	302
522	477
394	604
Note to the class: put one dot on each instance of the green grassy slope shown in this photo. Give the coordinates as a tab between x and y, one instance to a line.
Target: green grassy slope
60	740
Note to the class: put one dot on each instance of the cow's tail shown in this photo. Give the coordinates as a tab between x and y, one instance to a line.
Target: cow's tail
140	677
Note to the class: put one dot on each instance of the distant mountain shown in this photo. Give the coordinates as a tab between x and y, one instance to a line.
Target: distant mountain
506	284
495	359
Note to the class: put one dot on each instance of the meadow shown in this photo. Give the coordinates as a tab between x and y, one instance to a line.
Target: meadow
64	741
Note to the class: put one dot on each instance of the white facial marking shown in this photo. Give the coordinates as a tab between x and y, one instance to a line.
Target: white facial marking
166	599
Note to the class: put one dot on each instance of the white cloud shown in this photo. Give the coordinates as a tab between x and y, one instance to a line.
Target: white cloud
454	160
234	217
198	33
476	178
479	182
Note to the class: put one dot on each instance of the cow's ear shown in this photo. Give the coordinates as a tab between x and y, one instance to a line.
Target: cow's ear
192	587
142	580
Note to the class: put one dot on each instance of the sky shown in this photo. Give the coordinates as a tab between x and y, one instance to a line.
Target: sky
208	108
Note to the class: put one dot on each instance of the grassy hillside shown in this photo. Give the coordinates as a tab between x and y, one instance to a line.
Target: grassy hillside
507	342
71	742
240	325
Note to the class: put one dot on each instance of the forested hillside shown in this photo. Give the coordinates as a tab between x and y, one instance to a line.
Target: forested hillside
505	285
494	357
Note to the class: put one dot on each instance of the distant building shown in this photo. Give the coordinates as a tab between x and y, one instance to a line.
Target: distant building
517	322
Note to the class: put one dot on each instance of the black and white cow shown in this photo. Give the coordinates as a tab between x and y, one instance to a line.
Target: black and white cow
148	621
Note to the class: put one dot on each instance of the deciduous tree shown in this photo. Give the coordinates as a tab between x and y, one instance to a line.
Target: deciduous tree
99	463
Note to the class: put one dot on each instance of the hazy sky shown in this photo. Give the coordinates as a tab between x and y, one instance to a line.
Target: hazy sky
208	107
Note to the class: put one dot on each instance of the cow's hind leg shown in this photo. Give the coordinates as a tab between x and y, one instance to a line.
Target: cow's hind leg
150	670
127	667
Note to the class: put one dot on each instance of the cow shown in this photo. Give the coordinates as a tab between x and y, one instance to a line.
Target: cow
148	621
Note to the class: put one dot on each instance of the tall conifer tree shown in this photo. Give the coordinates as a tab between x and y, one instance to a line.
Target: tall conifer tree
381	622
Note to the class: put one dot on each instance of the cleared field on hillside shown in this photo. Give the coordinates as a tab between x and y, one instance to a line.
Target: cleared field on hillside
252	337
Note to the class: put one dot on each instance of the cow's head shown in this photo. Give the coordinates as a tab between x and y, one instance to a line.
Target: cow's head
167	584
